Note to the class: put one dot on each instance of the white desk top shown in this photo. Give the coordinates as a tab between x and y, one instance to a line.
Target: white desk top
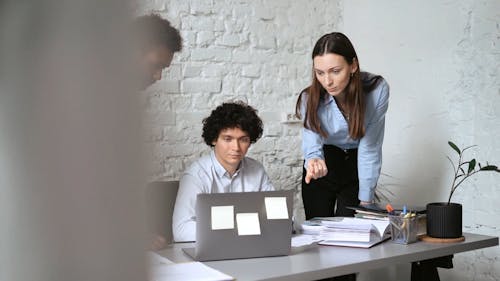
316	262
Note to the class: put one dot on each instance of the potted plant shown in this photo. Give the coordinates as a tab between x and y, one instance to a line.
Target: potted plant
444	219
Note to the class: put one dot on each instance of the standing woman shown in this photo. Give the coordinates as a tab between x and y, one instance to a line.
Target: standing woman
343	112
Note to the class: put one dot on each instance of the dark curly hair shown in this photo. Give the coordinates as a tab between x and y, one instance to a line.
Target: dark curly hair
232	115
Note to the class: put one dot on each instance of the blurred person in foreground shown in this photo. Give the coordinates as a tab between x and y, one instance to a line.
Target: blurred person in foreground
157	41
70	143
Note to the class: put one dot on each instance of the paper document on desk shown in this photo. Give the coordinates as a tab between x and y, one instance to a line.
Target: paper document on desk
189	271
304	239
155	260
354	232
373	241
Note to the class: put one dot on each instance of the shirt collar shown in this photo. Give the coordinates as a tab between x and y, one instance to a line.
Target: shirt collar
327	99
219	169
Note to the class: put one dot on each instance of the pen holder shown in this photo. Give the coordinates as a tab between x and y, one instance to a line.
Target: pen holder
403	228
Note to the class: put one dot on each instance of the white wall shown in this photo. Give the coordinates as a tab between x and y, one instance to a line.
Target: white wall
441	59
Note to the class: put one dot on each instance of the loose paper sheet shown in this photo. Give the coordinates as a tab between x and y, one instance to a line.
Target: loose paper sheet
187	271
276	208
222	217
157	260
248	223
304	239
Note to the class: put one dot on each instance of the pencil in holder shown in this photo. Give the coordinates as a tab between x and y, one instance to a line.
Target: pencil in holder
404	228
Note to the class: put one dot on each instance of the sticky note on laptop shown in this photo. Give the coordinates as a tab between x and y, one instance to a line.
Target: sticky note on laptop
222	217
248	223
276	208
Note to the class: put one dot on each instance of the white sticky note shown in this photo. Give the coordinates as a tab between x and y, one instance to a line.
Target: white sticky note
248	223
276	208
222	217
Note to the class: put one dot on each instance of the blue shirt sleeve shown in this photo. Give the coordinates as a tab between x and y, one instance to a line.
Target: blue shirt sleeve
266	183
370	146
184	216
312	142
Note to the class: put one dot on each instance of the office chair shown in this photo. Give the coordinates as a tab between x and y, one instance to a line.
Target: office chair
160	196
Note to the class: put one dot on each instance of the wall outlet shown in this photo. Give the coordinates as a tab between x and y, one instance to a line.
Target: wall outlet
289	118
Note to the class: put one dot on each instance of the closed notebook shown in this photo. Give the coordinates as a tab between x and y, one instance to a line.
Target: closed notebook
380	208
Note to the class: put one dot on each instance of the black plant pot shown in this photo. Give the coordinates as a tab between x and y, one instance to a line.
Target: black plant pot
444	220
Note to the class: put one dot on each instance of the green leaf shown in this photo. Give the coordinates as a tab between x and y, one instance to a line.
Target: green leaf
472	165
454	146
490	168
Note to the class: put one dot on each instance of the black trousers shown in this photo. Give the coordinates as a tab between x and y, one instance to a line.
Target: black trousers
339	188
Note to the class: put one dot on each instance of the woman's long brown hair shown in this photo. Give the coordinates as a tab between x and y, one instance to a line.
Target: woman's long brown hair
337	43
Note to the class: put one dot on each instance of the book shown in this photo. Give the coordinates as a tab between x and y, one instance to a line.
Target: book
354	232
341	232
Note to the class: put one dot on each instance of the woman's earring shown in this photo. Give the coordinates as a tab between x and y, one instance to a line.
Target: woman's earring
352	74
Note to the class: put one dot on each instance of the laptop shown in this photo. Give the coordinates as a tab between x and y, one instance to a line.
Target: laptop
242	225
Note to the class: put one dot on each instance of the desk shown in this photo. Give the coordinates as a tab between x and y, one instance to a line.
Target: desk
316	262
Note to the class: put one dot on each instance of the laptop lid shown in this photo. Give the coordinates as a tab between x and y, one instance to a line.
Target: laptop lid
243	225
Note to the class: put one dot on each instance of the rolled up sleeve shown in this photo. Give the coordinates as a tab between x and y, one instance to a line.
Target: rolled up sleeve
312	142
370	146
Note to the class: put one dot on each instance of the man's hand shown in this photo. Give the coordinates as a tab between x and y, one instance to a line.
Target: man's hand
316	168
365	203
158	242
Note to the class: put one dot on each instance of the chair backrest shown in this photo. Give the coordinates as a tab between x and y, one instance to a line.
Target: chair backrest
160	196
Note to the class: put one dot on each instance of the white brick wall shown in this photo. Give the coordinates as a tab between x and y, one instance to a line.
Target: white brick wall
443	72
256	51
442	62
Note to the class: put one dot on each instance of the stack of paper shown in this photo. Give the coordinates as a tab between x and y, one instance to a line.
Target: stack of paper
312	227
301	240
354	232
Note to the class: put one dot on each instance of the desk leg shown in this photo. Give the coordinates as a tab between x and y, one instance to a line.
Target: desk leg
426	270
